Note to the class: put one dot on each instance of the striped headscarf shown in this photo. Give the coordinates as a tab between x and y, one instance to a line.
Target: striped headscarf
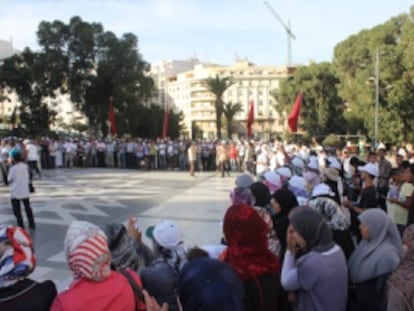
87	251
121	245
17	258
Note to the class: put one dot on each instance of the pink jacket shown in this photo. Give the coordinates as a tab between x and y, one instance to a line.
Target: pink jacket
114	293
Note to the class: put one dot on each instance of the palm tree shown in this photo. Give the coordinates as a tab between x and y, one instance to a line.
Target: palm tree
230	110
218	86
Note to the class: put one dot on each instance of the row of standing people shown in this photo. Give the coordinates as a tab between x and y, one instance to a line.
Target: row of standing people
309	262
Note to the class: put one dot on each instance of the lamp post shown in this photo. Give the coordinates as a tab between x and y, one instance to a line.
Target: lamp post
376	74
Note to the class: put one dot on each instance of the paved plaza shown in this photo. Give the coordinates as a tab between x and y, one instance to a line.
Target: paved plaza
196	204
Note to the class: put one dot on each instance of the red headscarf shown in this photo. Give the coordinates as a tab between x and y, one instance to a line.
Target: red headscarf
246	236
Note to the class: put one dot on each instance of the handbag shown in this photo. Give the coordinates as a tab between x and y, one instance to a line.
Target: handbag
31	187
138	294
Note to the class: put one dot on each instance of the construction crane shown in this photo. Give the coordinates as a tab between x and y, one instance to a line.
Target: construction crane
289	32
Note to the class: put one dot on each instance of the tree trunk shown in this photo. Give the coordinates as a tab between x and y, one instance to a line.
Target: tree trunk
219	112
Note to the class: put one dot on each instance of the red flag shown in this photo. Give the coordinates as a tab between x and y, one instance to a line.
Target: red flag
111	115
250	119
294	114
166	121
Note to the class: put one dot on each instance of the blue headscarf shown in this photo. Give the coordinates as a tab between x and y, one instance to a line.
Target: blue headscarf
17	258
206	284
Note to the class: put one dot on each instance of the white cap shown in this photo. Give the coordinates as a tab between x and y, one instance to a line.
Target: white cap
334	163
167	234
322	189
284	171
381	146
369	168
244	180
298	182
272	177
313	163
298	162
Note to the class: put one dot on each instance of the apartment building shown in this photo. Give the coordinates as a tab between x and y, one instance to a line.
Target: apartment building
186	91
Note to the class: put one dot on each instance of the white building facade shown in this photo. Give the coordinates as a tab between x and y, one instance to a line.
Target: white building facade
187	93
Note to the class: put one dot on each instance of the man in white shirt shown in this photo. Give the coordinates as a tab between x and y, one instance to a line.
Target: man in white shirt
18	179
32	158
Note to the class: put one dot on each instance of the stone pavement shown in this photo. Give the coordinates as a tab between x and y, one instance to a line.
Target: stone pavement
196	204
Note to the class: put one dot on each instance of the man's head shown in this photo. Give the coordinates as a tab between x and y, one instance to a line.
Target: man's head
399	159
372	157
381	153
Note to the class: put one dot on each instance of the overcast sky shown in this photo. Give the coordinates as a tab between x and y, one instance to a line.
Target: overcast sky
212	30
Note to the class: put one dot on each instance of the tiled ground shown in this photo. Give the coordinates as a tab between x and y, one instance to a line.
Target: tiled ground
196	204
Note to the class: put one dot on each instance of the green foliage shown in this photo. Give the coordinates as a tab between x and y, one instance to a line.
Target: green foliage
90	64
229	111
218	86
322	108
354	62
28	74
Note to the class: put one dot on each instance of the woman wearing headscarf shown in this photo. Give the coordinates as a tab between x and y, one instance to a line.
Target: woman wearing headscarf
401	282
241	194
259	269
95	286
282	201
322	200
207	284
374	259
126	246
314	266
17	262
261	204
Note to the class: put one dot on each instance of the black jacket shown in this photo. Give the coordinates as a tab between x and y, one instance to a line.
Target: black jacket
28	295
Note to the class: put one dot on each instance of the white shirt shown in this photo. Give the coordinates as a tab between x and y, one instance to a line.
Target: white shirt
19	181
261	165
31	152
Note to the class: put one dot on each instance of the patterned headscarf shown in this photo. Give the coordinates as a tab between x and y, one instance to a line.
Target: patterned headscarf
241	195
87	251
122	248
246	236
401	281
17	258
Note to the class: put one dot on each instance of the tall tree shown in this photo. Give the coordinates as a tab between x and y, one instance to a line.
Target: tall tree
322	108
100	65
218	86
230	110
355	64
29	74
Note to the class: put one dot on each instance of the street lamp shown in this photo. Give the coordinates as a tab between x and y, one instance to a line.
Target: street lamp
375	78
376	74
